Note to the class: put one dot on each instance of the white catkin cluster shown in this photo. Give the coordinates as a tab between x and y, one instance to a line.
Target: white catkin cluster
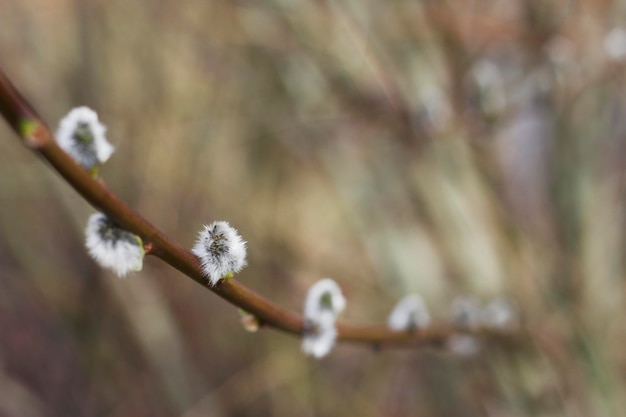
466	312
112	247
410	313
81	135
324	302
221	251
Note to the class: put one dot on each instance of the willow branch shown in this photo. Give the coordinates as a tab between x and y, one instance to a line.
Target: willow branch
36	135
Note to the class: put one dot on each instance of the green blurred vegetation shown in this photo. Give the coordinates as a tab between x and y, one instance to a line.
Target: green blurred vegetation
447	148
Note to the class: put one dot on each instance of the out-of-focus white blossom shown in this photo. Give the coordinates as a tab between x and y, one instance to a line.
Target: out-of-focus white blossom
490	83
320	335
324	295
221	251
466	312
463	345
324	302
615	44
409	313
82	136
499	314
113	247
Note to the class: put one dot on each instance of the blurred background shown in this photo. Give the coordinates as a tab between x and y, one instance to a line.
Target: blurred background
441	147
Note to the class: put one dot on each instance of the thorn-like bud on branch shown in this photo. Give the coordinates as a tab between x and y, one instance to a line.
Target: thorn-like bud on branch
113	247
466	312
409	314
221	251
81	135
249	322
324	302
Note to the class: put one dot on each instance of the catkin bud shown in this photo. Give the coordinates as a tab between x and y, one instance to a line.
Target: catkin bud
221	251
81	135
324	302
113	247
410	313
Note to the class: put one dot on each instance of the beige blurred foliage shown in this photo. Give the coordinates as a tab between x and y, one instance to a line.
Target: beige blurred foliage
439	147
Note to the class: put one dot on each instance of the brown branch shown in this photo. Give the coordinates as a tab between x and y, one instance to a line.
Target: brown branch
36	135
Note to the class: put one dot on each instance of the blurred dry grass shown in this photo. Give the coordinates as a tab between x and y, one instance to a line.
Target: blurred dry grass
447	148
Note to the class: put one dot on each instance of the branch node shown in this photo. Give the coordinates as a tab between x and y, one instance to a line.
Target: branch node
34	134
148	248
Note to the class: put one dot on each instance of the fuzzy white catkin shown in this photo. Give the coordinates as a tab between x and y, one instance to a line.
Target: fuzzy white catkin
408	314
324	302
90	151
320	338
221	251
313	304
112	247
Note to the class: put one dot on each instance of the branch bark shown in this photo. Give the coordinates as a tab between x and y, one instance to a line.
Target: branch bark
30	127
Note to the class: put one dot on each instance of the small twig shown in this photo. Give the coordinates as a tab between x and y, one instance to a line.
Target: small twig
36	135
